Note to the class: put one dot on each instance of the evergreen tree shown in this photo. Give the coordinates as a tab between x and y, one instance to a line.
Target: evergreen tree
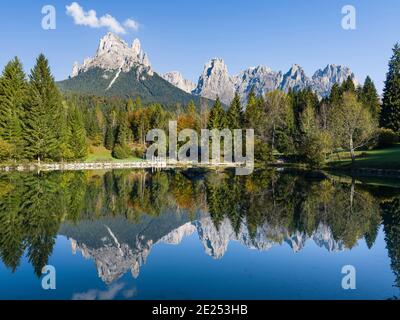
217	118
76	134
13	90
370	99
235	113
130	105
109	137
348	85
335	96
390	114
43	114
123	131
253	111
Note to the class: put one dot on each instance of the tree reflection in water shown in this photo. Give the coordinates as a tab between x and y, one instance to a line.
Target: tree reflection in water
262	209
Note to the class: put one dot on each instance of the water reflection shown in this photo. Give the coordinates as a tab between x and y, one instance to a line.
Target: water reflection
116	217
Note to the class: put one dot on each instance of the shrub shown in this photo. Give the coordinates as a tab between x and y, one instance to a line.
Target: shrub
262	153
121	152
139	152
315	147
387	137
6	150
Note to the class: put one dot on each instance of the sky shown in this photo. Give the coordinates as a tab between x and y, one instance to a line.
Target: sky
184	34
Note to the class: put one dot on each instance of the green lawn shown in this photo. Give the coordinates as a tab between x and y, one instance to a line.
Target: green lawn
101	154
377	159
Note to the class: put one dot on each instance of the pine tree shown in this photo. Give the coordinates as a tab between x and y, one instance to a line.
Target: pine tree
217	118
76	134
122	132
235	113
13	90
370	99
335	96
43	114
390	114
253	112
109	137
348	85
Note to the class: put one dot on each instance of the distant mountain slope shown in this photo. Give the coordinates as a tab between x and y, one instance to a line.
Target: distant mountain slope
118	69
121	70
151	88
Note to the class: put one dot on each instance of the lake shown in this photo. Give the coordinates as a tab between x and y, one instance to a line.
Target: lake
131	234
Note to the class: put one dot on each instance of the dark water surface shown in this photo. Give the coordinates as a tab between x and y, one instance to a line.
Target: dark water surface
190	235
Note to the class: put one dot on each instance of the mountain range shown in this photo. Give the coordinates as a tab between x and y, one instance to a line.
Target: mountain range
118	69
117	246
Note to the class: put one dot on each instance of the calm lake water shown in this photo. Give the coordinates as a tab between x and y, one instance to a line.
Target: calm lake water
197	235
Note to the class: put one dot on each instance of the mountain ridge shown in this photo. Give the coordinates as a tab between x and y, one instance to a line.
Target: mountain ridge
119	69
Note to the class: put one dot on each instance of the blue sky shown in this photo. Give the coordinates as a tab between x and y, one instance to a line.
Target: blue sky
184	34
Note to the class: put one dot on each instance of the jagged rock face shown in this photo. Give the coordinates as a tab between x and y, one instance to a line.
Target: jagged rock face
115	54
215	81
114	258
176	79
262	79
177	235
295	79
324	79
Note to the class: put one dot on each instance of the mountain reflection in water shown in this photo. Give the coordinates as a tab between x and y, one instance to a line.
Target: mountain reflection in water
115	218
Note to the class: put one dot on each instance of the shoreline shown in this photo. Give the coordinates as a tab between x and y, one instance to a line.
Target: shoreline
78	166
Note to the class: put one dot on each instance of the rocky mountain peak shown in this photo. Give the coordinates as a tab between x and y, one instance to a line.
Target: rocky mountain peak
261	79
215	81
113	53
176	79
324	79
136	47
295	79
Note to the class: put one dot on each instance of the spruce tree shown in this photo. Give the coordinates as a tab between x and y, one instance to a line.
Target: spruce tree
76	134
253	112
43	114
390	114
235	113
335	96
109	137
217	118
348	85
123	131
13	90
370	99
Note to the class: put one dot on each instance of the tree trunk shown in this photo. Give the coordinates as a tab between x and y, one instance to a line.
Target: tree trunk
352	192
273	140
352	153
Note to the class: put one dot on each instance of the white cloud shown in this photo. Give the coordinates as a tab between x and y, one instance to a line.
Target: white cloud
90	19
131	24
94	294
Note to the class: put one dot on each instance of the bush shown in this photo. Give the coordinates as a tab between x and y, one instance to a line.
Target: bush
139	152
121	152
262	153
314	149
387	137
6	150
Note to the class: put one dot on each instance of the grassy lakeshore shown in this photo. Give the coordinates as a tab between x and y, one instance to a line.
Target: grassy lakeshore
386	159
